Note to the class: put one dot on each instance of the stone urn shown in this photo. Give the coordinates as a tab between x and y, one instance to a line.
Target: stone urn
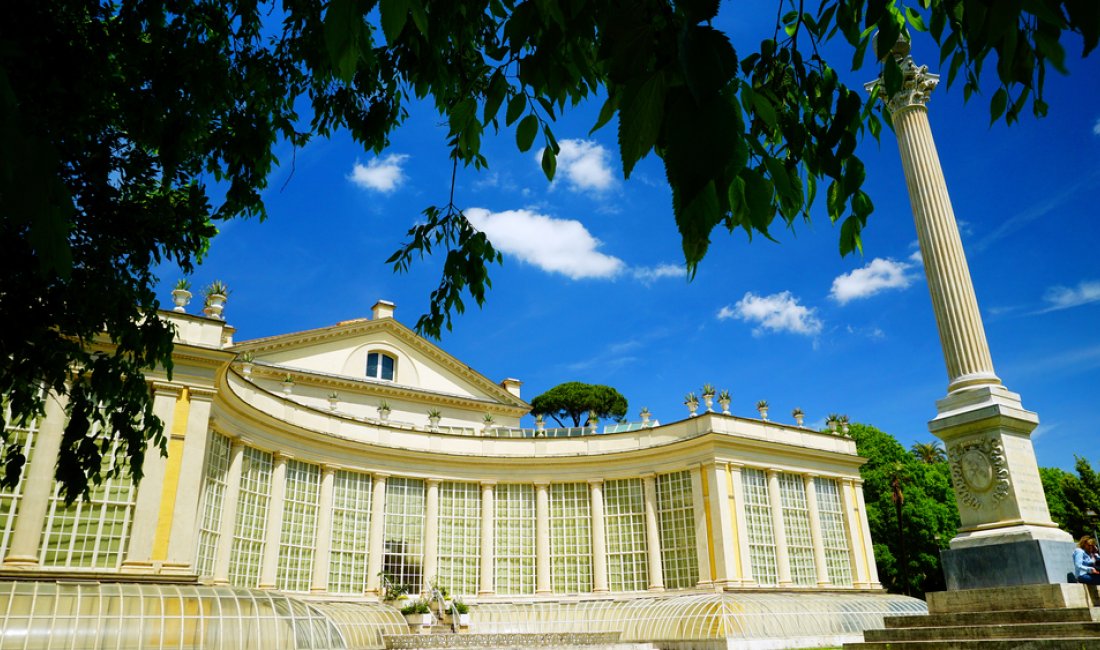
181	297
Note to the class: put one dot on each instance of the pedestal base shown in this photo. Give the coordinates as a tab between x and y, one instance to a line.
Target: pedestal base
1010	564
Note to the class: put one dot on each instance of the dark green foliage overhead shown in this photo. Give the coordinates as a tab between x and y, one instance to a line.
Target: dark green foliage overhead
575	400
114	116
929	516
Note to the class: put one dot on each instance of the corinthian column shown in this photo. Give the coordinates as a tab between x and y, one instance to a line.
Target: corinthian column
984	426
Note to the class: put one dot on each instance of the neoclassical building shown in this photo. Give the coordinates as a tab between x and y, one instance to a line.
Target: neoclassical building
310	468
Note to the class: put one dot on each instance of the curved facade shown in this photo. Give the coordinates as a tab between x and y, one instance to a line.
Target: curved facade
327	464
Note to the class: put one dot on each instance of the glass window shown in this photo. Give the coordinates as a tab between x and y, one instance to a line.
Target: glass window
404	537
758	518
459	537
251	525
796	526
24	437
624	523
299	532
380	366
676	518
833	534
213	495
570	538
514	539
92	533
351	508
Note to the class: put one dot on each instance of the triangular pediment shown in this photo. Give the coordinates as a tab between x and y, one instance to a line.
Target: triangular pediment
341	350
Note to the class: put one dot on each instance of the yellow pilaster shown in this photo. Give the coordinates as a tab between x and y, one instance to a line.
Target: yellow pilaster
710	524
735	540
171	475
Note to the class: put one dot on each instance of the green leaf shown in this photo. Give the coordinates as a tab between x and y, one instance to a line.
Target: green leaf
549	161
607	111
341	29
915	19
892	75
849	236
640	116
764	109
695	221
739	207
516	105
394	15
888	32
526	131
707	61
759	193
494	96
997	105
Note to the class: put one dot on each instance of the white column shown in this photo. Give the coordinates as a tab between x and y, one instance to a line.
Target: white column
857	548
270	568
431	531
782	557
542	538
139	556
38	485
740	521
722	535
872	568
229	512
183	537
376	542
323	547
699	495
488	509
599	537
815	530
653	533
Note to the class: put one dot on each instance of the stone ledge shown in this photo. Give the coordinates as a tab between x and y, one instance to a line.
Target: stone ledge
1022	597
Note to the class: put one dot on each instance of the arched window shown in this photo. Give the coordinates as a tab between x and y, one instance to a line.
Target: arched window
380	366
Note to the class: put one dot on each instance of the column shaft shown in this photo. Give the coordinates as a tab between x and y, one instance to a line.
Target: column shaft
723	540
653	534
815	531
488	509
872	568
229	512
322	555
782	557
376	543
38	485
599	537
542	538
744	557
431	531
270	568
962	334
139	556
183	513
857	548
700	489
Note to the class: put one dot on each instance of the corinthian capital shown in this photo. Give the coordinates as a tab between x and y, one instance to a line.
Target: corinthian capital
916	87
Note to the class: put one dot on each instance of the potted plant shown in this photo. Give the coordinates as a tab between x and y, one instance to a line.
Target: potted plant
216	294
391	591
762	407
246	364
832	421
333	401
463	611
692	402
645	415
487	420
798	416
288	385
433	419
418	614
383	410
594	421
540	425
843	422
724	401
708	397
181	294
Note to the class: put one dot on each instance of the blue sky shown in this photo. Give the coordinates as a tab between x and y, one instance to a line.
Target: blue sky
593	289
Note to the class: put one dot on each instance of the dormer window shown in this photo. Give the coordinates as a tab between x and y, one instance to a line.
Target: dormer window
380	366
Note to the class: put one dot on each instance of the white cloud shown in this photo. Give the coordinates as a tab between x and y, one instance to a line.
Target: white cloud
1065	297
585	164
554	245
880	275
381	174
779	312
1096	127
647	275
916	258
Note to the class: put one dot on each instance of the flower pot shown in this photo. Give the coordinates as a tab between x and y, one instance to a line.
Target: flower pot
798	419
725	404
333	402
288	388
763	414
692	408
419	621
433	422
181	297
215	304
708	400
464	620
383	414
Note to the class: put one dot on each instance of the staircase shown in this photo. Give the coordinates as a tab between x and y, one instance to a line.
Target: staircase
998	619
511	641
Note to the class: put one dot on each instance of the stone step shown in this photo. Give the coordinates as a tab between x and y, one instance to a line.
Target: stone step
1074	614
968	632
983	644
517	640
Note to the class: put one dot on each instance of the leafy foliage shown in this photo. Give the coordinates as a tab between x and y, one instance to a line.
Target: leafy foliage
1070	497
114	116
576	400
929	452
908	562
